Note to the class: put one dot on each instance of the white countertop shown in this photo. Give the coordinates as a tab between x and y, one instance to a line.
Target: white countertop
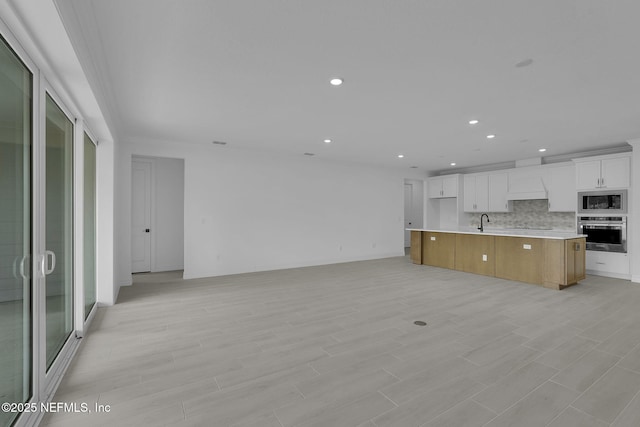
511	232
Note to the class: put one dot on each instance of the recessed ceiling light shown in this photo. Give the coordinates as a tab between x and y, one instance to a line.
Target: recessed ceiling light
473	122
491	136
542	150
327	141
400	156
524	63
452	163
336	81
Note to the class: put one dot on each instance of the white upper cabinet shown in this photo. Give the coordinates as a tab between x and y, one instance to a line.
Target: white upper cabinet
450	186
615	173
498	188
434	188
610	172
561	185
442	186
476	193
588	175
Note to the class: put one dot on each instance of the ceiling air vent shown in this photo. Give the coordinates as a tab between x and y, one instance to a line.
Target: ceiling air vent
309	154
219	142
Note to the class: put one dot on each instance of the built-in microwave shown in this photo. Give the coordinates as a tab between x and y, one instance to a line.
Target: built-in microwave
602	202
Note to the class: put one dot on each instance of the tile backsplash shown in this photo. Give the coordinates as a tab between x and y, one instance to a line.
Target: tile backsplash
528	214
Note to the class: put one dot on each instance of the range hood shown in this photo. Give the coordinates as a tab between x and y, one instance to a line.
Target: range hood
527	188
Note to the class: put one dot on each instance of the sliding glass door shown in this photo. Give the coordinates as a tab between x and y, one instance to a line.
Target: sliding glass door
58	260
15	231
47	288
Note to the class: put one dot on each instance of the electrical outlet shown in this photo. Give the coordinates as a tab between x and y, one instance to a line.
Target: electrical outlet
526	246
433	237
484	257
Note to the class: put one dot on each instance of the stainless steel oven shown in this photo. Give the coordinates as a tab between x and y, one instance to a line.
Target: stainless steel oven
604	233
609	202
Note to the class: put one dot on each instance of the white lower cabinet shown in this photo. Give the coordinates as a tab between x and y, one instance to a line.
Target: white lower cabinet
608	264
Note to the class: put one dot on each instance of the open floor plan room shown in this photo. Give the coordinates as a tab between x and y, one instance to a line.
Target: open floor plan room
325	213
336	345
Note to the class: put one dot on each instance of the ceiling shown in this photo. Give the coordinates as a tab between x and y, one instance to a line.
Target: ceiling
255	74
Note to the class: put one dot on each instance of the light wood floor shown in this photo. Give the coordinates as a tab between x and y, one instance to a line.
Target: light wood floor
336	346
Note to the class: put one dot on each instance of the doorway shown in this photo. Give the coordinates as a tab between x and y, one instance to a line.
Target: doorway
157	214
413	207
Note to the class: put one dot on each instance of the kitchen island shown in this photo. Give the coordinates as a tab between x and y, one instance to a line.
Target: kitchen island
553	259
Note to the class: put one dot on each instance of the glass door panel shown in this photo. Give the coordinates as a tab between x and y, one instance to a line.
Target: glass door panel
89	255
15	231
58	229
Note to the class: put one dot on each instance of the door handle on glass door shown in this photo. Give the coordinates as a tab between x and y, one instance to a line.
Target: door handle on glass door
45	262
146	230
24	273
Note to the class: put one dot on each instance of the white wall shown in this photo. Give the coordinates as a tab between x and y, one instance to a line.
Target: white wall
449	213
105	207
251	211
122	221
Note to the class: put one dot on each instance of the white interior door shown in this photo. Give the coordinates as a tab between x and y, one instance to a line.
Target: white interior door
408	213
140	216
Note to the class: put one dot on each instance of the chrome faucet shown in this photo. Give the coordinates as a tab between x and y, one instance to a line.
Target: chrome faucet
481	228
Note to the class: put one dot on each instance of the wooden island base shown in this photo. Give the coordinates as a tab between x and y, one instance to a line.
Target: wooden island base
554	263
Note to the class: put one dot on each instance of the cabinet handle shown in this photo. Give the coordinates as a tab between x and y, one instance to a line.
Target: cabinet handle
549	205
602	182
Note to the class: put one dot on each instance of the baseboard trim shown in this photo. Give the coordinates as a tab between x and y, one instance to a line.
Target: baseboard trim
260	268
609	274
